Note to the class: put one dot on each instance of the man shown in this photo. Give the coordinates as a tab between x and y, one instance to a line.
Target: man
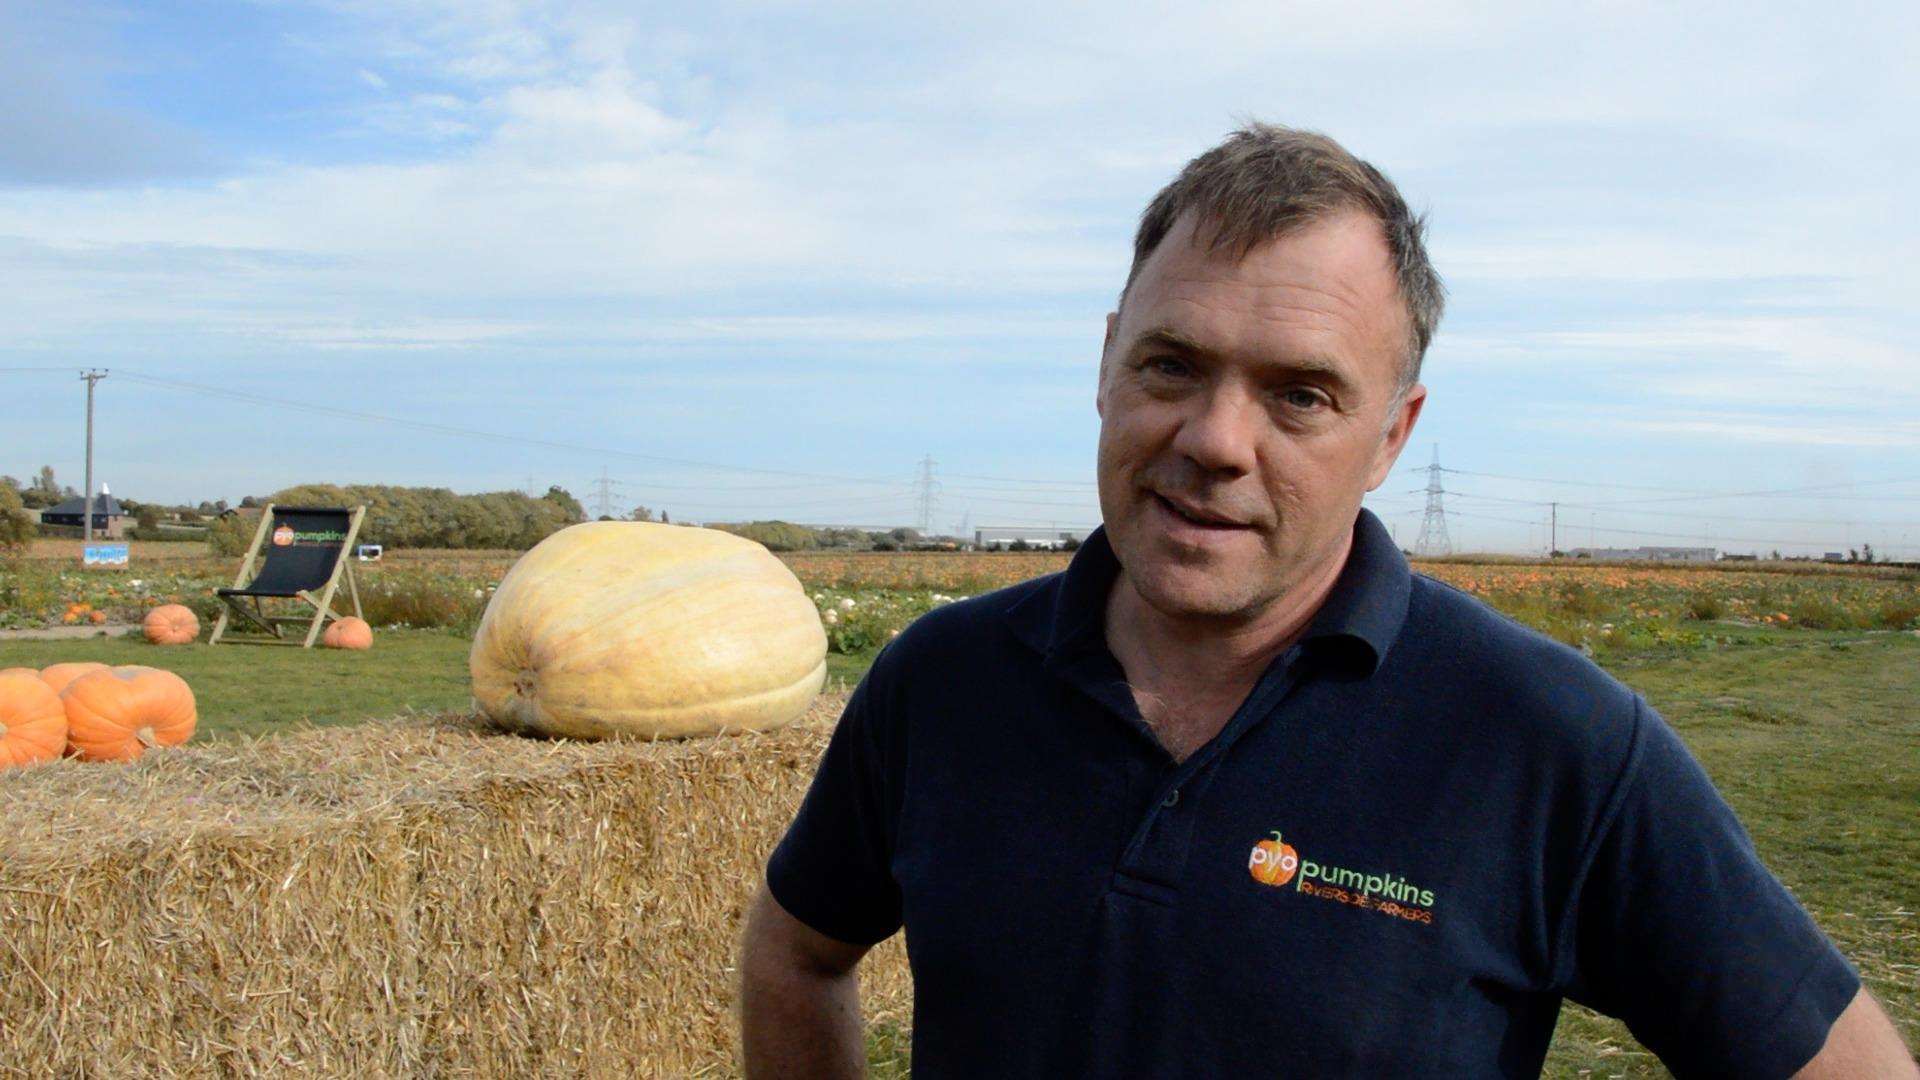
1237	794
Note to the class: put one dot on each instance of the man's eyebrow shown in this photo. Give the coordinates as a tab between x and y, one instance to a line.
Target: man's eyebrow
1313	367
1168	338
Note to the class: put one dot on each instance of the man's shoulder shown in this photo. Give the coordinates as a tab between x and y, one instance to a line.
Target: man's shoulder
956	659
1521	681
976	622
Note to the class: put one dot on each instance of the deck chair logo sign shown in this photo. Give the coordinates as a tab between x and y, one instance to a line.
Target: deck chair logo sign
287	536
301	567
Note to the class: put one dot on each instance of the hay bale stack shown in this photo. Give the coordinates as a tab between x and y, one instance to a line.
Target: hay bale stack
419	897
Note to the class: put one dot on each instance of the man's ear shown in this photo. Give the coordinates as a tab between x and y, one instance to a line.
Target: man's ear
1106	351
1397	434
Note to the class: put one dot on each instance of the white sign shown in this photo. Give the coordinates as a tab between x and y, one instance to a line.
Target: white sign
105	555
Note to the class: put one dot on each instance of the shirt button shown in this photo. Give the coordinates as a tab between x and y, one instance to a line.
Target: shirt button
1173	797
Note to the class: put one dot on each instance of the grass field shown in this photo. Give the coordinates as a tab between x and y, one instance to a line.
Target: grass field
1796	690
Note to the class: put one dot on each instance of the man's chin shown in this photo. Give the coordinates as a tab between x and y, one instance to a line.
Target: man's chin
1186	595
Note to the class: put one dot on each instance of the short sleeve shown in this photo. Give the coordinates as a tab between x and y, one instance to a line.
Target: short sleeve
832	870
1679	929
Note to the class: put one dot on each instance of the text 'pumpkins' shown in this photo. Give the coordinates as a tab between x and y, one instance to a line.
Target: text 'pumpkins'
631	629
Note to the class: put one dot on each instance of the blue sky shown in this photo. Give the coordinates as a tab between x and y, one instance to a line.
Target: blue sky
815	243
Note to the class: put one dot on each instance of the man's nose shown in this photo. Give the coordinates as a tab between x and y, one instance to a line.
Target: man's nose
1222	431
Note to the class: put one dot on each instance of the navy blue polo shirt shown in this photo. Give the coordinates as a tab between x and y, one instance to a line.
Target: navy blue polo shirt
1425	826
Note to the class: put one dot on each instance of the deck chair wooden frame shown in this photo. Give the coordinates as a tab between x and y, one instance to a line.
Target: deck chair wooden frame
268	626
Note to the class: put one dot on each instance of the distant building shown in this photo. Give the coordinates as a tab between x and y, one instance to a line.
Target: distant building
1648	554
1040	538
109	517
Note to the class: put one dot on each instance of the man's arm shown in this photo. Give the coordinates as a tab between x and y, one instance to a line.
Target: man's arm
1862	1045
799	998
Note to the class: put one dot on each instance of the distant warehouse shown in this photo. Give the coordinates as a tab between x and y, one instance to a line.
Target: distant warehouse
1040	538
1648	554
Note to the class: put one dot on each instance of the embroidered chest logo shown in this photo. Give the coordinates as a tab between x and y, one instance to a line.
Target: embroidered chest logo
1275	862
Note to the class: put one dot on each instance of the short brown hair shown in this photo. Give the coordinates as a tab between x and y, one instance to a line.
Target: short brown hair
1266	180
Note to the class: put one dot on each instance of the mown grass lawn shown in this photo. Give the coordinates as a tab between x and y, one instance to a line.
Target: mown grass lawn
244	690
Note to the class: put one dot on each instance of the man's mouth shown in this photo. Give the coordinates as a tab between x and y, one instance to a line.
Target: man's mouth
1196	516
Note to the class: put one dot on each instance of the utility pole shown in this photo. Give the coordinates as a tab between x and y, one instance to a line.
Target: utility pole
928	486
92	376
1433	528
1553	542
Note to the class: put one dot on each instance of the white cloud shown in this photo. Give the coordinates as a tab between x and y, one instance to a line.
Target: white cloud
544	174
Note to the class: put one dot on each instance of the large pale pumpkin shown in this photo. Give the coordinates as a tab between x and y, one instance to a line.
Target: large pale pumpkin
171	624
631	629
121	713
33	725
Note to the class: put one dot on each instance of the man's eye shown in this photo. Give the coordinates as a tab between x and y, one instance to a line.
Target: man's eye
1167	365
1301	398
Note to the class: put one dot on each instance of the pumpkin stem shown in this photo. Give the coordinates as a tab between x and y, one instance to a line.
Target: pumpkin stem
145	735
1276	837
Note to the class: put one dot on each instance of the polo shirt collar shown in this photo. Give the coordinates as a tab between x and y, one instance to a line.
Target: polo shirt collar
1356	625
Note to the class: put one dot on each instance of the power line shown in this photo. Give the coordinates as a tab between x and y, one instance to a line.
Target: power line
1022	502
1566	483
1666	535
1683	494
1014	480
1811	489
1768	520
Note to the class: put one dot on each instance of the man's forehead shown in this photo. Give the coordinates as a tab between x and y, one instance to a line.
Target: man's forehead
1333	275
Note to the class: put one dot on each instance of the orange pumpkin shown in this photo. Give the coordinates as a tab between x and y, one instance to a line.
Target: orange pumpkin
171	624
96	617
1273	862
121	713
33	725
59	675
348	633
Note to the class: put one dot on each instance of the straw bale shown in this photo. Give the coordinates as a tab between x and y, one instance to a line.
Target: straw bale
415	897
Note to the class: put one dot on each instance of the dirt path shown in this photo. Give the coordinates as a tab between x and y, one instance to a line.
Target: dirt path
63	633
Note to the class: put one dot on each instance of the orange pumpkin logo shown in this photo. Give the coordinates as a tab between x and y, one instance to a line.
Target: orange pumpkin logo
1273	862
283	536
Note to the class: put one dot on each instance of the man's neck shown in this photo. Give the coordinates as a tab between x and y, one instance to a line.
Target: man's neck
1210	656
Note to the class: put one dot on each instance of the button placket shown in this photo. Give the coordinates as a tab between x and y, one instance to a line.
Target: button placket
1160	858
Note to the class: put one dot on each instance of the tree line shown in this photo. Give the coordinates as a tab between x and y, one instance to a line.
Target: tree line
422	517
